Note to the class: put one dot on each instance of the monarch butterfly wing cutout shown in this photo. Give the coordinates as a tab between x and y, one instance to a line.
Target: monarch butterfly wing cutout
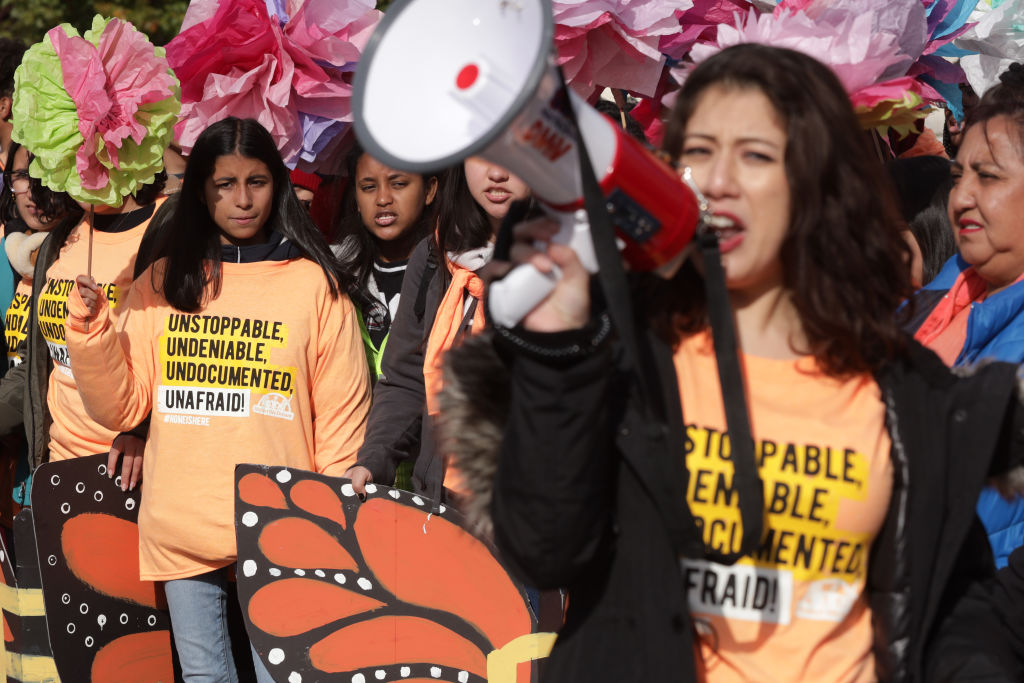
26	648
101	618
390	589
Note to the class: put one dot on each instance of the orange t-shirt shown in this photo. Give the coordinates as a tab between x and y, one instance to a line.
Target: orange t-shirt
73	433
271	372
797	610
16	320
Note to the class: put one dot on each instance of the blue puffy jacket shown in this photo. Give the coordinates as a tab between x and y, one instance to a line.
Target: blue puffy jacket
995	330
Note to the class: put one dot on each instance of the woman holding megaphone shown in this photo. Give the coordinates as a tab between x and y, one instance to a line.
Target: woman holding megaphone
871	564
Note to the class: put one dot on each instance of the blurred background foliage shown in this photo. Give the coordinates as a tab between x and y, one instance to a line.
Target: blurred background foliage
29	20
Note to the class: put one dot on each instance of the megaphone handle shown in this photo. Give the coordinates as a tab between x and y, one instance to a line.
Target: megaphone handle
525	287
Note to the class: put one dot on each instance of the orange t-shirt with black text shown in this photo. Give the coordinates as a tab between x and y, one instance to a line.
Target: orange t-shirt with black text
271	371
16	320
73	434
797	610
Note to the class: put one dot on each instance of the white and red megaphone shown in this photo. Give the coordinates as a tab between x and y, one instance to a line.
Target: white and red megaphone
441	80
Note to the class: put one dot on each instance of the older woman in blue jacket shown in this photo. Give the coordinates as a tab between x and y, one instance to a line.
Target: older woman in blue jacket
974	309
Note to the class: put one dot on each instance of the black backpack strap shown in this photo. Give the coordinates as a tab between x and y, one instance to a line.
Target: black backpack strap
420	305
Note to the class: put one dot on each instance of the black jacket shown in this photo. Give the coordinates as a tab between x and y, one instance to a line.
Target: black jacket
399	427
589	496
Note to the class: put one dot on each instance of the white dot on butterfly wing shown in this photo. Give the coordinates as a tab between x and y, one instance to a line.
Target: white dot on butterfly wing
347	490
294	677
250	519
435	671
364	583
371	488
275	656
249	568
463	677
284	476
417	500
405	671
340	578
274	571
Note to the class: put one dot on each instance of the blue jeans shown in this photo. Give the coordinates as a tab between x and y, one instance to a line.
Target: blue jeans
199	620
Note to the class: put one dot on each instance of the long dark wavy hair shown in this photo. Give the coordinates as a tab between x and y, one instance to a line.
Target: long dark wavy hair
361	246
844	260
193	273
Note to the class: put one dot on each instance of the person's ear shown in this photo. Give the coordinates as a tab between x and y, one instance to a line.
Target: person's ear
431	190
5	107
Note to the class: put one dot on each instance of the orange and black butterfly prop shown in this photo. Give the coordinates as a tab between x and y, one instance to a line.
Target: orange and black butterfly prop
101	618
25	647
390	589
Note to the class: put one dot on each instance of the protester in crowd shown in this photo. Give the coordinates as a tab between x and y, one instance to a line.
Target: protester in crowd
29	212
42	392
441	294
247	273
953	129
387	213
922	187
11	52
974	308
305	186
871	564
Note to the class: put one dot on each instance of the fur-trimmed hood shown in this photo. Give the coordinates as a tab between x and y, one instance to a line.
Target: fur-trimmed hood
474	408
22	248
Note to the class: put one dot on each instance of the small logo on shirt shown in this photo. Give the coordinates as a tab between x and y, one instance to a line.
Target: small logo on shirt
828	600
275	405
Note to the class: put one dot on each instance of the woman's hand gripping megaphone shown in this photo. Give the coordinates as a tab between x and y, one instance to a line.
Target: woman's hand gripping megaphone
544	247
547	289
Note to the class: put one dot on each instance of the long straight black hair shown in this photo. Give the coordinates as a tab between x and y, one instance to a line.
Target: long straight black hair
192	239
462	224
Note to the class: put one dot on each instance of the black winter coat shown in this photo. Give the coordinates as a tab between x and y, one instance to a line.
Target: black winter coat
588	496
399	427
